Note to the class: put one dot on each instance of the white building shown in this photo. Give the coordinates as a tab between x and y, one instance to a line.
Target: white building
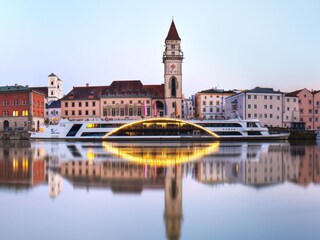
189	110
264	104
291	115
53	112
210	104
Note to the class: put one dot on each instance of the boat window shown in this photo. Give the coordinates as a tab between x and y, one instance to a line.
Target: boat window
104	125
74	129
252	124
220	125
93	134
254	133
228	133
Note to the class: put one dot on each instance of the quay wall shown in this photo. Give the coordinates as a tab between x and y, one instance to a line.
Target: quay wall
14	135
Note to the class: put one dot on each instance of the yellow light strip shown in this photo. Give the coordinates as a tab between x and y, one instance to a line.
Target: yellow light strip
163	157
161	119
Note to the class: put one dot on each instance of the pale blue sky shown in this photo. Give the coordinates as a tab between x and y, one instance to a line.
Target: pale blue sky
227	43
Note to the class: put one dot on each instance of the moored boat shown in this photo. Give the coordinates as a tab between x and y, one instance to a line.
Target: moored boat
157	129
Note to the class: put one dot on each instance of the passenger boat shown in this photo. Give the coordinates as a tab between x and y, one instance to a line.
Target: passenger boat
157	129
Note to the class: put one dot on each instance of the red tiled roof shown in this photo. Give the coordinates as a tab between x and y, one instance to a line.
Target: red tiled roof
173	33
90	92
43	90
117	88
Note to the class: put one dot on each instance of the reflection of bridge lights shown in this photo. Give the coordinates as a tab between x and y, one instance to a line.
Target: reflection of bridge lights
162	122
15	165
25	165
161	156
90	155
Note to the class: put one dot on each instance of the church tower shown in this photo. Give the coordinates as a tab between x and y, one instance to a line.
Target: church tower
54	88
172	60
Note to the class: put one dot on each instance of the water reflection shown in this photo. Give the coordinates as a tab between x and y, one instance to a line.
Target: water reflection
131	168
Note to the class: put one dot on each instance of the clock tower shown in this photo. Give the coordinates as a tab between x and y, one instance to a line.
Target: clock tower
172	60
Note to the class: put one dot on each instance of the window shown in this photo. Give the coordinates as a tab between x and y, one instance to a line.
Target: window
310	119
204	110
270	106
80	104
255	96
130	112
203	102
93	105
255	106
121	111
104	102
148	102
270	97
130	101
122	102
265	106
15	113
72	104
173	46
66	113
79	112
65	104
288	108
211	109
249	96
271	116
249	115
249	105
93	112
288	99
5	103
139	112
294	100
255	115
310	101
265	97
87	104
113	102
139	101
113	111
51	82
211	102
73	112
173	104
87	112
51	93
265	115
310	110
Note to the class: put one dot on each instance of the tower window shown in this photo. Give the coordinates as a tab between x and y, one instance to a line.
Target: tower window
172	53
173	87
51	82
51	93
173	46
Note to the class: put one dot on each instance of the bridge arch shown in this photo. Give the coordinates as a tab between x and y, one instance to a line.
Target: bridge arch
161	127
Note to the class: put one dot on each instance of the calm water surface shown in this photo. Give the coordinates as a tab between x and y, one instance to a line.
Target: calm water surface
65	190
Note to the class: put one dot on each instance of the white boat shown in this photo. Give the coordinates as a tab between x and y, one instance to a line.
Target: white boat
157	129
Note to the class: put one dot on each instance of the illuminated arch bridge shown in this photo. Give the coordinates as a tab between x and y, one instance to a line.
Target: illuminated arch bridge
161	127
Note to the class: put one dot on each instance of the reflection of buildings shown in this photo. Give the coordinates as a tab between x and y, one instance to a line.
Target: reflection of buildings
18	168
54	183
261	164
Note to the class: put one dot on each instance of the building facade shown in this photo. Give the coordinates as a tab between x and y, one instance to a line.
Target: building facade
264	104
309	107
210	104
189	109
53	112
291	115
21	107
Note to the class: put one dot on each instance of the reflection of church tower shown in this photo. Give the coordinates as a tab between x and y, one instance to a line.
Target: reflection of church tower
172	60
54	184
173	202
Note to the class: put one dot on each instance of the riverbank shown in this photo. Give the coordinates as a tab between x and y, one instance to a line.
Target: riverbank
296	135
14	135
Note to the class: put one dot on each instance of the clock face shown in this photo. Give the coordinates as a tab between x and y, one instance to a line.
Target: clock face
173	66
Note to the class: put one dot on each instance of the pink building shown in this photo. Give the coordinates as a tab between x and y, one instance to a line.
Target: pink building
309	107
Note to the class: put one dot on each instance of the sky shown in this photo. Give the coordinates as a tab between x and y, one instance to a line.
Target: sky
228	44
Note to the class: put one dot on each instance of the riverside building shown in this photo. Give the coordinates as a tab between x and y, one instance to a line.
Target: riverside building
130	99
210	104
264	104
21	108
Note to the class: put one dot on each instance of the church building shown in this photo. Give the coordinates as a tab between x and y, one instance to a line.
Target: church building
130	99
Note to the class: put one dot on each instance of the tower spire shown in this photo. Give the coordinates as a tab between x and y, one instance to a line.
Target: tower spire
173	33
